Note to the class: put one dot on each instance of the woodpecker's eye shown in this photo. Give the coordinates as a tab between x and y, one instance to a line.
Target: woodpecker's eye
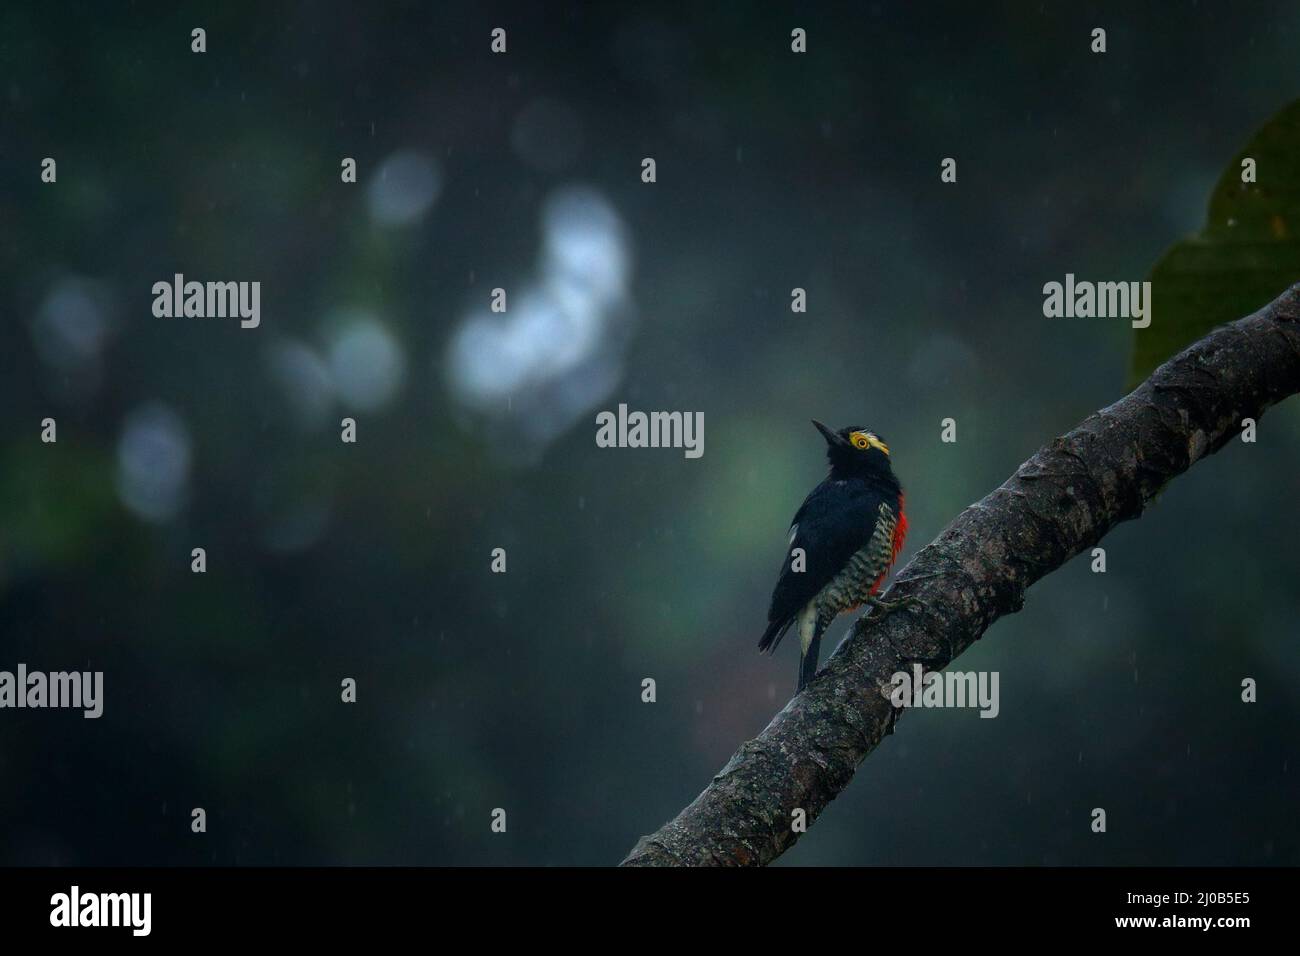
864	440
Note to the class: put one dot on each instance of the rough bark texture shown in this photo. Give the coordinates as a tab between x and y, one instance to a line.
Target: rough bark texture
1060	502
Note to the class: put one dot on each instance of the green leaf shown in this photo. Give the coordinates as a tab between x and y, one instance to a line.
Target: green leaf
1247	254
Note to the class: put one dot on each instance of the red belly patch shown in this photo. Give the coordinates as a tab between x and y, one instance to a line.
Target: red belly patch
900	532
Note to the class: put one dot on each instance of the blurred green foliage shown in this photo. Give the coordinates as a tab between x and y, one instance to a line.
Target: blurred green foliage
1245	256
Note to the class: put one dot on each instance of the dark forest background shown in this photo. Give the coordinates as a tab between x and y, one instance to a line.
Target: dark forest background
522	691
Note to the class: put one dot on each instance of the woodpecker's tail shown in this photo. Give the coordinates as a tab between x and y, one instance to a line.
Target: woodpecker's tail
808	660
772	636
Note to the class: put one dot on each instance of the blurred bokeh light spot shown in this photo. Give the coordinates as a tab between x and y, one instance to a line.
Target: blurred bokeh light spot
557	351
403	188
71	325
70	331
153	462
585	249
304	380
367	362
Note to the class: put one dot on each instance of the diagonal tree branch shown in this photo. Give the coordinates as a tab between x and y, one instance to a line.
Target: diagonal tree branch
1060	502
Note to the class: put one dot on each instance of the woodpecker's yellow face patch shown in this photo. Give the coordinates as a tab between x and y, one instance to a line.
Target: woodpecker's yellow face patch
864	440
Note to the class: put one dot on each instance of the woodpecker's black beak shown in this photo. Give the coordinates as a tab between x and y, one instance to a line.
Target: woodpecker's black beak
831	437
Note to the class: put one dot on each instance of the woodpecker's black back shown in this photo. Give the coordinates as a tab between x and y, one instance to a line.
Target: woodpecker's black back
849	528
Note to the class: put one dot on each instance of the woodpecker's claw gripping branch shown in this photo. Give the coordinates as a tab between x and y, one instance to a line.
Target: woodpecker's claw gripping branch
889	606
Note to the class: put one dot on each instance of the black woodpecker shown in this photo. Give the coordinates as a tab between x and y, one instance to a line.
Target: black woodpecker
850	530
